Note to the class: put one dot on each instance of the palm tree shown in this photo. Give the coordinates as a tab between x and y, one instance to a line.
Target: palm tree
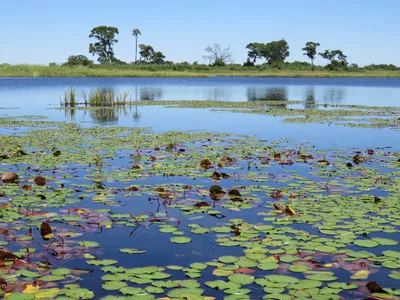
135	33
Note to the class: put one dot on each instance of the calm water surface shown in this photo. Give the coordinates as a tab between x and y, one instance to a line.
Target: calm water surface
34	96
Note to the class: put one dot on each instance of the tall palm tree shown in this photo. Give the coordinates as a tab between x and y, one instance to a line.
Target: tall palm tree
135	33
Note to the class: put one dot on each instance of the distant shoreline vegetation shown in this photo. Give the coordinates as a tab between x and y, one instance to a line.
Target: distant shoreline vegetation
263	59
286	69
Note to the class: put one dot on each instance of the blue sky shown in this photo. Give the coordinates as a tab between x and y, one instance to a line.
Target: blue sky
43	31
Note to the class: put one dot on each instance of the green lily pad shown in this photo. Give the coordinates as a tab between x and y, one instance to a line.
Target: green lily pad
132	251
282	279
89	244
79	293
228	259
299	268
366	243
180	240
113	285
241	278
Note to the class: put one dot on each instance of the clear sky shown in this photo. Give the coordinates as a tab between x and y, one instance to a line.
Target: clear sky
43	31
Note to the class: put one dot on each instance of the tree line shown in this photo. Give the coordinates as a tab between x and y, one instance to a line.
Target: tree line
273	53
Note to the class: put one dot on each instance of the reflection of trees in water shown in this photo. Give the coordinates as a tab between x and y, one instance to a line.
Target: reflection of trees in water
150	93
136	115
310	99
110	116
334	95
267	93
106	116
218	94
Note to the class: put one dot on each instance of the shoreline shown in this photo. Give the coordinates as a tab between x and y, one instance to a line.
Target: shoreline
44	71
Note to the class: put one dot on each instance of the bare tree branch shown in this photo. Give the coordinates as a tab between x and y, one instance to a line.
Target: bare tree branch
218	56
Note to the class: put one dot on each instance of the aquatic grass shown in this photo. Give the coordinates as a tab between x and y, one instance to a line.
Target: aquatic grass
102	97
69	97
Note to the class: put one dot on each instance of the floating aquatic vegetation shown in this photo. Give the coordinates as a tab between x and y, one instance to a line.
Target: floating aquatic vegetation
258	219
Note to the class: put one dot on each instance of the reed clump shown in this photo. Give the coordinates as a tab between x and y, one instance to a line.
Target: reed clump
101	97
69	98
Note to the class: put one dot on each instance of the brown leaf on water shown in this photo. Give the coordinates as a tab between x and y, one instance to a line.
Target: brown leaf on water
373	287
3	282
159	190
235	193
78	272
244	271
205	163
277	206
6	255
324	162
132	189
27	187
9	177
45	229
216	175
277	194
289	211
39	180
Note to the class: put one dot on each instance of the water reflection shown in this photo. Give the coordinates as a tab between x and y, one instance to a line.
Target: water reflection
150	93
105	115
136	115
267	93
219	93
334	95
310	102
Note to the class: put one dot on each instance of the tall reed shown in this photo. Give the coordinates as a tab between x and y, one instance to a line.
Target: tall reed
69	97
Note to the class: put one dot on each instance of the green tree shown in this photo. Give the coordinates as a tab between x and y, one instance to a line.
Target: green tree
146	52
337	59
275	52
105	39
218	56
148	55
78	60
311	51
158	57
136	32
255	51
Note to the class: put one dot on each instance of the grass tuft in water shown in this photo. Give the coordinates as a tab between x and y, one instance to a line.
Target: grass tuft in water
69	97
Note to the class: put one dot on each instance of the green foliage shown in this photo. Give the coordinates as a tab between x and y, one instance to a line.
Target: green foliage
78	60
255	51
148	55
69	97
311	51
337	59
105	39
106	97
389	67
185	69
274	52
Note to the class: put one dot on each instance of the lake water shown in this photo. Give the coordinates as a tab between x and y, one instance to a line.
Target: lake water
36	96
326	192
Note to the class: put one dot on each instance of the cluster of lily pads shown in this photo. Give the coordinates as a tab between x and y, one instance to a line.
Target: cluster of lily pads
273	219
